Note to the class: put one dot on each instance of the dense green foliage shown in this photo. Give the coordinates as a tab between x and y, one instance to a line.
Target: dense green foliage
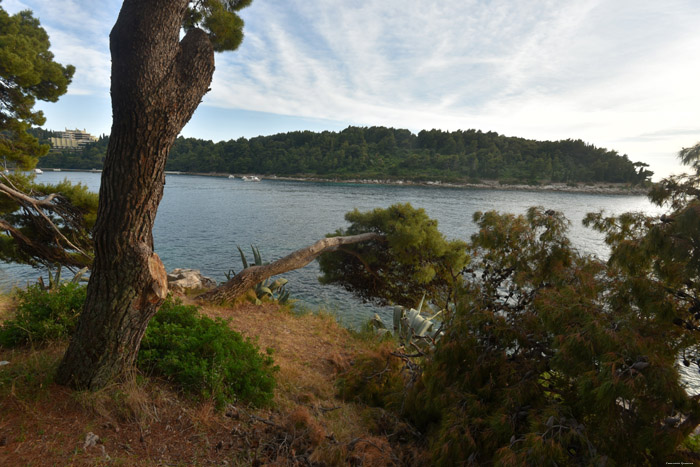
46	225
219	19
43	315
27	73
546	359
40	225
659	257
413	259
549	356
388	153
205	357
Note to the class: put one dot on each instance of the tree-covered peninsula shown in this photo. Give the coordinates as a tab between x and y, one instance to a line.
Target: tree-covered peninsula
390	153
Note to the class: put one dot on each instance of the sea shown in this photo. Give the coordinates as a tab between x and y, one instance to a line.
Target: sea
203	219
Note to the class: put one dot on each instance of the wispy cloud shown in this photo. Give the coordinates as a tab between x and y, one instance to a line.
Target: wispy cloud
79	35
611	73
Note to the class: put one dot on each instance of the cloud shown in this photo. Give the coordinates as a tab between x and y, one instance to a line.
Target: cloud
611	73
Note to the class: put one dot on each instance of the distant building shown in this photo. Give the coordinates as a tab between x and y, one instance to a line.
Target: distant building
72	140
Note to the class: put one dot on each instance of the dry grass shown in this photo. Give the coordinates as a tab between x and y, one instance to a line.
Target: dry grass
7	305
143	421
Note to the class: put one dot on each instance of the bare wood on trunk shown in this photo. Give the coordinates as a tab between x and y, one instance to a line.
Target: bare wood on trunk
246	279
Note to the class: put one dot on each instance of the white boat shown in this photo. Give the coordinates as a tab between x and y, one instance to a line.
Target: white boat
231	176
251	178
38	171
56	170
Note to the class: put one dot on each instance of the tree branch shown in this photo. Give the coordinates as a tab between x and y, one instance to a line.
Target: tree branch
359	258
246	279
34	208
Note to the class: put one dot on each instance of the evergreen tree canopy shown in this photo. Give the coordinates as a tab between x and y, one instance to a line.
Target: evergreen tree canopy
40	225
390	153
548	360
549	356
27	73
659	256
46	225
413	259
219	19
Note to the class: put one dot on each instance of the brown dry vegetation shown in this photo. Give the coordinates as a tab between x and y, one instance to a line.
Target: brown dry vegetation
142	421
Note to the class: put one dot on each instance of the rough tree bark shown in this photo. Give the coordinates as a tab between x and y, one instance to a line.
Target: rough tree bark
158	81
246	279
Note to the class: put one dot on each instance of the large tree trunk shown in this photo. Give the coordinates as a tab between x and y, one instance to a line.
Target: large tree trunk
157	83
246	279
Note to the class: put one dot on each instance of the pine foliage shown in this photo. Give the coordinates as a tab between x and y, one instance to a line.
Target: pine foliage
40	225
413	259
27	73
547	359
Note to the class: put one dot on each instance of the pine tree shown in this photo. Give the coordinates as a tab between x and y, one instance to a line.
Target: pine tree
159	77
27	73
41	225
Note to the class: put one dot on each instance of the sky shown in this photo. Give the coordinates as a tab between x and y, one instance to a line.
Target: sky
619	74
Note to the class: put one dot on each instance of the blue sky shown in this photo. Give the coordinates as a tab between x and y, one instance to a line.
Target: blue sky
621	74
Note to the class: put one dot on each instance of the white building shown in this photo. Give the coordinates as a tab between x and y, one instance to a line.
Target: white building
72	140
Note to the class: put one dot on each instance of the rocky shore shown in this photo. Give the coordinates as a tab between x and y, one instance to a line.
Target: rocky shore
593	188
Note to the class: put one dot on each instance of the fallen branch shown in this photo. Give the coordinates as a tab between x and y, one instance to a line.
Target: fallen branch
239	284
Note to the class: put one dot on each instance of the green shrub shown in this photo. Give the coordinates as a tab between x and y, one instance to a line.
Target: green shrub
43	315
205	357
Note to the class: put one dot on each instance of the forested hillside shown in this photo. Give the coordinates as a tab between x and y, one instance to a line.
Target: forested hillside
379	152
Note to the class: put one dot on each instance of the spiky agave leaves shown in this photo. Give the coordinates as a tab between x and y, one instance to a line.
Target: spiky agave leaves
411	327
266	288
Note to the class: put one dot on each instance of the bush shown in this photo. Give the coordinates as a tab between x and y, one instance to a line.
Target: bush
43	315
205	357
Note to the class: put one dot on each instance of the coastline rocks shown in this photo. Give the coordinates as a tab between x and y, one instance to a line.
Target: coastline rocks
180	280
594	188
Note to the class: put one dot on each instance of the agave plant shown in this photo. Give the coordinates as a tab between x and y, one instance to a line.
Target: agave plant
55	279
411	327
267	288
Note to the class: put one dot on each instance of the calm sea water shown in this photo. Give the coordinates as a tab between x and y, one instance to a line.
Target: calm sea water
201	220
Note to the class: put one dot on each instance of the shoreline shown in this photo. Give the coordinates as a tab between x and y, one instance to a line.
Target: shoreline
592	188
595	188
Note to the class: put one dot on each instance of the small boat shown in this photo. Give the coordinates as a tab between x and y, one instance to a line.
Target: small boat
56	170
38	171
231	176
251	178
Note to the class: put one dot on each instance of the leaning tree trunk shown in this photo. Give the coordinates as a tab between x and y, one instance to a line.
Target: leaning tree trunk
239	284
158	81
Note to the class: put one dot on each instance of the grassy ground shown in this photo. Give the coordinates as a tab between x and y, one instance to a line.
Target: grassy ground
143	421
